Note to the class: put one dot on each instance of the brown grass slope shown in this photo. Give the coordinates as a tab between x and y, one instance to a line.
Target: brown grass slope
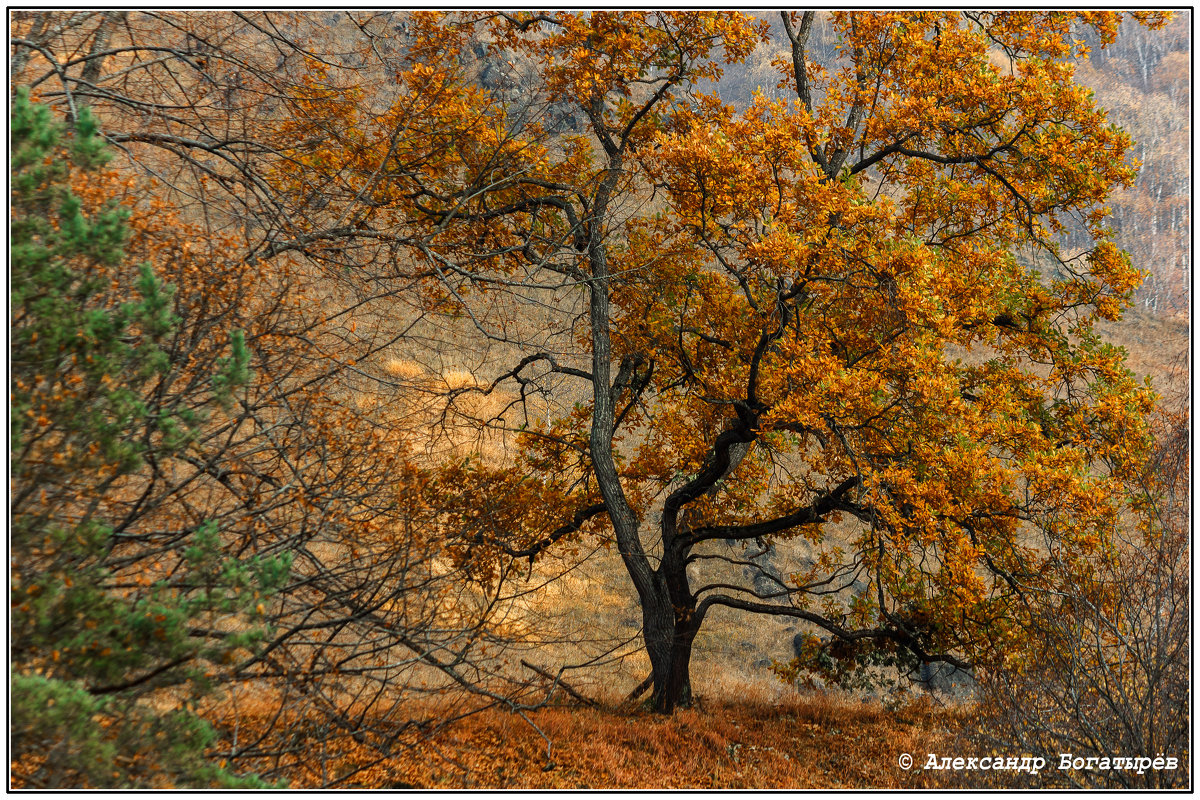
807	742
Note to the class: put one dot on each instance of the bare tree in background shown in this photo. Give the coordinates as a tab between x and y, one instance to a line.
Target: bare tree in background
1109	671
319	457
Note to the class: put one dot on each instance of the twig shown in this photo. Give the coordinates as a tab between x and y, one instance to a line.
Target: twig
558	681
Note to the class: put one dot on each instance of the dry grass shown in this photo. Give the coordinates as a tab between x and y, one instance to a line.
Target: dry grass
1157	345
809	742
750	731
403	369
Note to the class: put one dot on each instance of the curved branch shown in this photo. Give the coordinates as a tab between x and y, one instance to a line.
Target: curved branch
905	640
581	516
717	467
808	515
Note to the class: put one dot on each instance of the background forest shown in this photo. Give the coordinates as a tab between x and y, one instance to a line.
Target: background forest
609	399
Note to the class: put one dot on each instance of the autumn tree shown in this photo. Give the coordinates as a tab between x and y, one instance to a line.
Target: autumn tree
309	462
85	649
842	320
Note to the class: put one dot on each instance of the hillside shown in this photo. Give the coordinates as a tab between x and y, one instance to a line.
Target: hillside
641	399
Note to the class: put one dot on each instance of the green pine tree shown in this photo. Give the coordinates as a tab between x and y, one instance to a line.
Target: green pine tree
91	647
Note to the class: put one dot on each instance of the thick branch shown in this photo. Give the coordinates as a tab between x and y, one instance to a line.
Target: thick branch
799	39
904	639
716	468
808	515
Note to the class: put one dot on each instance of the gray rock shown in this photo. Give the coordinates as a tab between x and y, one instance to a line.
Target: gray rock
798	643
938	677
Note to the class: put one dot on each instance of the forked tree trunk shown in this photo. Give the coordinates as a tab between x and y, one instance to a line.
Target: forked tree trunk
668	622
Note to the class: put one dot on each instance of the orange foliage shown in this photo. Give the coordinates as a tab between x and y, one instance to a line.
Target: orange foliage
848	285
841	283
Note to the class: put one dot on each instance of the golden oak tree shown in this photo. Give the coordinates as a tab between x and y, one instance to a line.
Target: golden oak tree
843	319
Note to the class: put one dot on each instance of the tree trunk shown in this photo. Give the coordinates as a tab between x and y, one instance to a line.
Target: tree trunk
668	636
669	633
668	620
657	589
658	632
674	690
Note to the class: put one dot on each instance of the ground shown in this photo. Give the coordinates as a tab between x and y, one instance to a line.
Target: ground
810	741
